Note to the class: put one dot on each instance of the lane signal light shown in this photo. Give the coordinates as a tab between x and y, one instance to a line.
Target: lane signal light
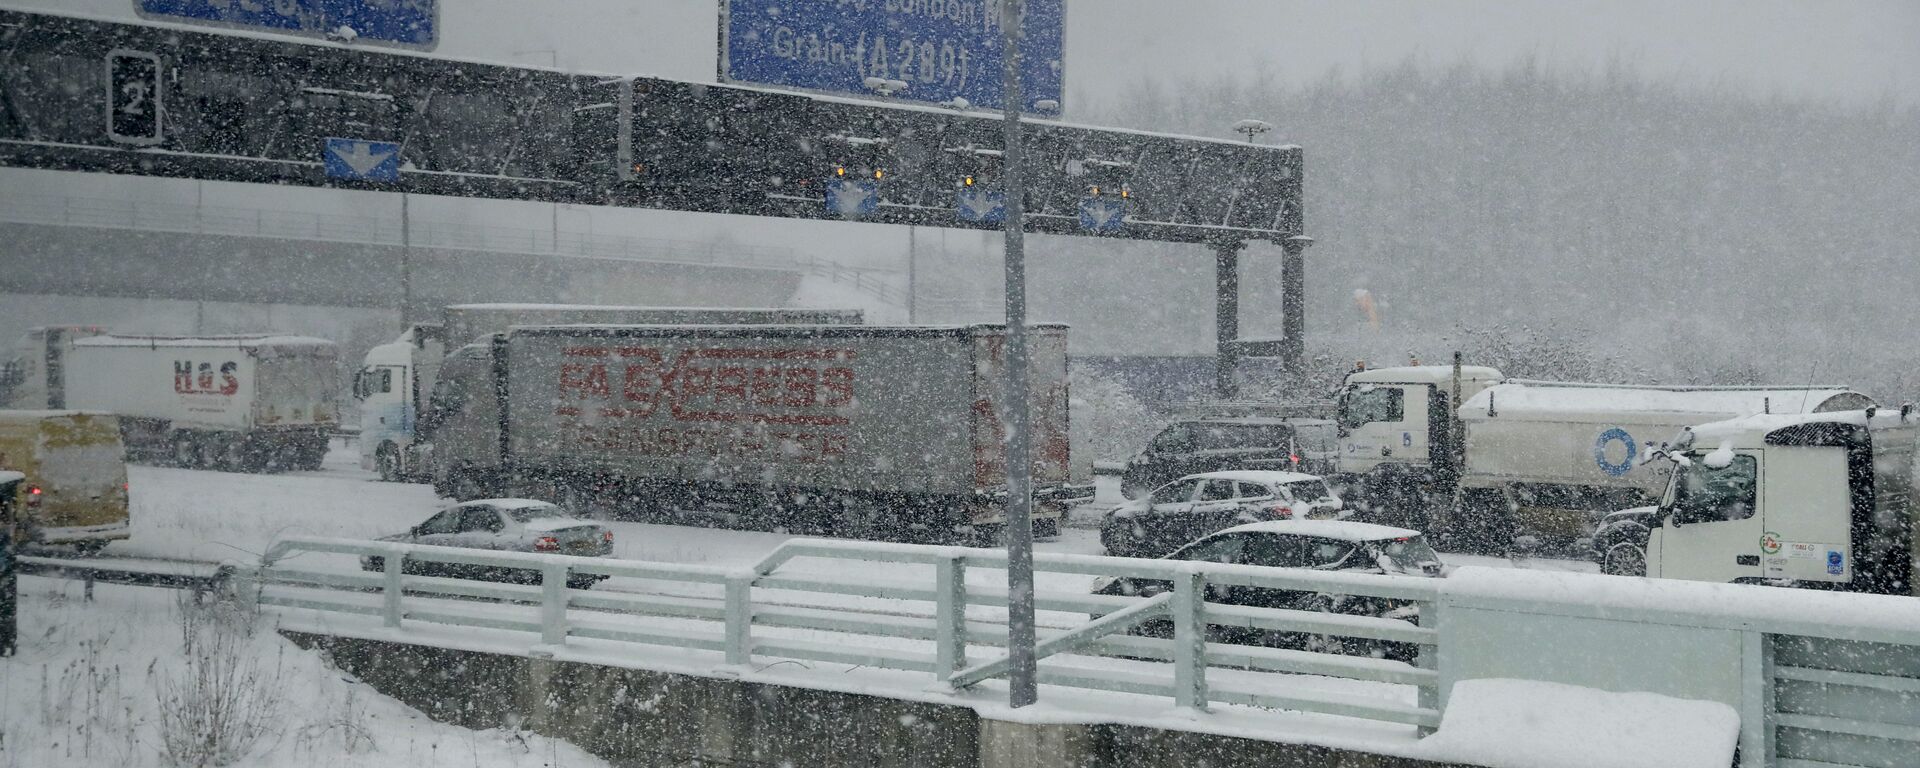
968	181
839	170
879	174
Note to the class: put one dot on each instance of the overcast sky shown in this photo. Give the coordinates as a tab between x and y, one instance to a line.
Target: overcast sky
1849	49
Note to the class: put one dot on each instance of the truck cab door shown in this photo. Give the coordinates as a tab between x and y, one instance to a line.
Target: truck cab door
1383	424
1711	528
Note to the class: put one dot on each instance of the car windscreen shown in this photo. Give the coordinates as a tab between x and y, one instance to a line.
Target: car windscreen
1408	555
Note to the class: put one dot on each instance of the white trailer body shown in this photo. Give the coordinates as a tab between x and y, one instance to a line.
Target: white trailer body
1561	456
396	379
891	430
238	402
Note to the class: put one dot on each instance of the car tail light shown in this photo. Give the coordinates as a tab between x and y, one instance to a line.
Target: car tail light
1279	511
33	496
606	536
546	544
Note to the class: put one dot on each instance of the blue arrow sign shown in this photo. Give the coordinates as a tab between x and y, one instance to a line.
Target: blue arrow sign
980	204
1103	215
363	160
852	198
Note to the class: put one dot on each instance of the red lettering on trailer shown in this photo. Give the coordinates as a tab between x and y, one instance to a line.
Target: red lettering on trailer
200	379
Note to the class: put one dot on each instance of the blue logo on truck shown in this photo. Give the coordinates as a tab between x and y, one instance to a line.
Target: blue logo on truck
1600	452
1836	563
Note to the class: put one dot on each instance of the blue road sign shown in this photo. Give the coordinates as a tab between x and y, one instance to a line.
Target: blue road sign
979	204
1103	215
853	198
363	160
941	49
410	22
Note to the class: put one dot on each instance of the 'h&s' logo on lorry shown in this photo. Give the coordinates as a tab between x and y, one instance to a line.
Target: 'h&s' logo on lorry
200	379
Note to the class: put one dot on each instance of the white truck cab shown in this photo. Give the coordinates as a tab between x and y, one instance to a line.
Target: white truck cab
1821	499
393	385
1392	416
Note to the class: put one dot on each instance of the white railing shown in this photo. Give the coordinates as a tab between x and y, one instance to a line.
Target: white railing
776	611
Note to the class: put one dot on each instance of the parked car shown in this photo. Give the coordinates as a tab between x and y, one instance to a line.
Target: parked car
1213	443
1196	505
506	525
1322	545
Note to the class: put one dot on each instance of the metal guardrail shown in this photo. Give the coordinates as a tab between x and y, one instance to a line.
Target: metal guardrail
926	627
376	230
201	578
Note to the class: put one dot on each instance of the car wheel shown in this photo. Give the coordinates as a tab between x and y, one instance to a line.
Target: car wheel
582	582
234	456
186	451
1625	559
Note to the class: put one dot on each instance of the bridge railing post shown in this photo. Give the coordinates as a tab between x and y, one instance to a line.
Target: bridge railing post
392	588
553	604
950	616
1429	658
1757	748
1190	640
739	618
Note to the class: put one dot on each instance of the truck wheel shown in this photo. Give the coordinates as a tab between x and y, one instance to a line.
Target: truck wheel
1624	558
186	451
234	455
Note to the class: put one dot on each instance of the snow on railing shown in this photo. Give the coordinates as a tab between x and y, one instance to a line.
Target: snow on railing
772	610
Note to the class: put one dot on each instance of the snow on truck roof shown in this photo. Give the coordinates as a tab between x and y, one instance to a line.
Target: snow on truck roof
1710	434
1343	530
1423	374
238	341
527	307
1523	398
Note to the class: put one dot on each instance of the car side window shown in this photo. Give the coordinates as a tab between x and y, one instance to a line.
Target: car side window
1221	549
446	522
1370	404
1173	439
1176	493
1252	491
1272	551
484	519
1216	490
1326	553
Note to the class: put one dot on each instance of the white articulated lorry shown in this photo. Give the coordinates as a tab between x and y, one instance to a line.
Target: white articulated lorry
396	378
242	403
1822	500
1546	458
890	432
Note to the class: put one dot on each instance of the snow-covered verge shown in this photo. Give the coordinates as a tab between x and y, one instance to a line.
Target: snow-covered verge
138	678
1532	724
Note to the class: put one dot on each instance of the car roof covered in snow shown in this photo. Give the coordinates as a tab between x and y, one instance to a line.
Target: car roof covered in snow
1254	476
1423	374
1343	530
508	503
10	476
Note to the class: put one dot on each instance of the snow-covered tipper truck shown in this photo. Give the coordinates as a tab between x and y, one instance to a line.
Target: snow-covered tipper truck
240	403
1518	457
75	486
1823	500
396	378
867	431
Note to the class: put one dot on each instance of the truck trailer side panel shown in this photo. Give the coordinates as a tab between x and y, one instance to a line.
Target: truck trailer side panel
896	410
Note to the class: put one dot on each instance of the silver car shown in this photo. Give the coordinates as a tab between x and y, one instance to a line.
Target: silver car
507	525
1197	505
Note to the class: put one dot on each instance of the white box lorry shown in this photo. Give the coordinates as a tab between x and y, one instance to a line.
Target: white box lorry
396	378
240	403
892	432
1547	458
1822	500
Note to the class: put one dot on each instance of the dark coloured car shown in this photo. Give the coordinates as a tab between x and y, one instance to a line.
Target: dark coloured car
505	525
1322	545
1213	444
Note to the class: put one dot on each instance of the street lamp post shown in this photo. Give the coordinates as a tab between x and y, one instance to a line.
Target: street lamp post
1023	667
